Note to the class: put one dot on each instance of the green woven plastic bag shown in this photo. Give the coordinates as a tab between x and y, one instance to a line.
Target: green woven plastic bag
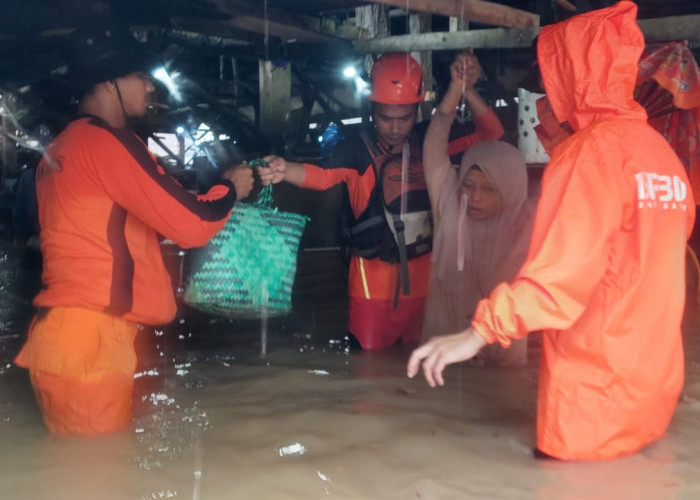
248	268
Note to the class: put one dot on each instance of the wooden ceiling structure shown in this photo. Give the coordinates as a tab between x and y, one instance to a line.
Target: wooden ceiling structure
219	49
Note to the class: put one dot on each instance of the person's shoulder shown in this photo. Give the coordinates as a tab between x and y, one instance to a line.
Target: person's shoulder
88	132
597	151
604	139
100	144
114	139
79	135
88	124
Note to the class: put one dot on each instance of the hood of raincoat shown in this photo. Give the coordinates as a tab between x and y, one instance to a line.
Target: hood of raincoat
589	65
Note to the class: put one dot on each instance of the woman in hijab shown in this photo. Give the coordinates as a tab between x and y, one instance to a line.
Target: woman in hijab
482	219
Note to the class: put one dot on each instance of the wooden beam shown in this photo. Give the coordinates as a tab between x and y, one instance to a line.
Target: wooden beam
332	27
273	22
473	10
317	96
456	40
664	29
422	23
275	96
218	32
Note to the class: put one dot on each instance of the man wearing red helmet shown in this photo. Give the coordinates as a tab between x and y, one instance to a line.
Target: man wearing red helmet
391	238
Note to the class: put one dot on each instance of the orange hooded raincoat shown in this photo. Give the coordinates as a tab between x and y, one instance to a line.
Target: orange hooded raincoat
604	276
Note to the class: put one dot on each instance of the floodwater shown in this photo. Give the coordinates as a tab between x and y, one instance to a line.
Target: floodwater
313	420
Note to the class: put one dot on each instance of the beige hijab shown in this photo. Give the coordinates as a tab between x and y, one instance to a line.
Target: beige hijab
471	257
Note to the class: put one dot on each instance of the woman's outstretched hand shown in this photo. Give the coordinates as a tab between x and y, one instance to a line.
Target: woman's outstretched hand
441	351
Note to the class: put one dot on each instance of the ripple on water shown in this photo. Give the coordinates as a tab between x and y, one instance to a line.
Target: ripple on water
169	431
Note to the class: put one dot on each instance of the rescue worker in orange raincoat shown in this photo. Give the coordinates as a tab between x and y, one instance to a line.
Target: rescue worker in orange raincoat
386	289
604	276
102	200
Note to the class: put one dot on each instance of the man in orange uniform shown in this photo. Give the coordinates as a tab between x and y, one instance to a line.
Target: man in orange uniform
103	200
387	290
604	276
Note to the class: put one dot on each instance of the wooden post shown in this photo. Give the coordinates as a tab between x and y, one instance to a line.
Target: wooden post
474	10
482	38
422	23
458	24
372	21
275	96
5	144
234	74
670	28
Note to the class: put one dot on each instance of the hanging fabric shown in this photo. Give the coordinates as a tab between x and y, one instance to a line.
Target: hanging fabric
668	86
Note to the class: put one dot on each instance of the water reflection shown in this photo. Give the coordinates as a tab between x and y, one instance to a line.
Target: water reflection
304	424
643	476
315	420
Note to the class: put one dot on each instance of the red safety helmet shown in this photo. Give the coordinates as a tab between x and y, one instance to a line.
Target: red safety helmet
397	78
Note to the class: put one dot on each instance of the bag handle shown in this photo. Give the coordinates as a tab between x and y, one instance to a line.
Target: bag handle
265	199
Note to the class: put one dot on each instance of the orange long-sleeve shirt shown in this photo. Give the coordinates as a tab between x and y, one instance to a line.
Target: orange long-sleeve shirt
352	164
103	200
604	276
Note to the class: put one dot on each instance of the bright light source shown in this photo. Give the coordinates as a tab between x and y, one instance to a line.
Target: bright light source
162	75
204	134
349	72
170	141
320	138
180	130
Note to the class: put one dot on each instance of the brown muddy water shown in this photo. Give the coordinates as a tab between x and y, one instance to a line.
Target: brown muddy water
314	420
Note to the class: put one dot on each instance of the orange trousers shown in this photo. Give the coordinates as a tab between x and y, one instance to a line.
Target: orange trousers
81	364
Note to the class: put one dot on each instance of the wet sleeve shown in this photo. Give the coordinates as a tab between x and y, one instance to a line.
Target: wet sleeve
487	128
134	180
580	208
320	178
